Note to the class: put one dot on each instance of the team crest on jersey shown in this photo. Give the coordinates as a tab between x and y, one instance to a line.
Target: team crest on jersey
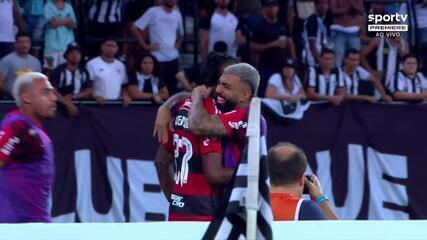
206	142
187	103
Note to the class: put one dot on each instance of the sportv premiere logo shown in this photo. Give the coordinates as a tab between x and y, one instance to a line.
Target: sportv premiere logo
388	25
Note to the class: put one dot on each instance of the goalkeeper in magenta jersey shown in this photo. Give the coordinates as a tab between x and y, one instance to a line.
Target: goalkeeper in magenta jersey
26	153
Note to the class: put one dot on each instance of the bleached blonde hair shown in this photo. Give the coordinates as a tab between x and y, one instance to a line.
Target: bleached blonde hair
22	82
246	73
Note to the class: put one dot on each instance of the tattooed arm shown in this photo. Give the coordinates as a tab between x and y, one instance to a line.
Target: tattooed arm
200	121
164	118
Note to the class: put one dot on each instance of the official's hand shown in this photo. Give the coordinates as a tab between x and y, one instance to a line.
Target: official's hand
162	123
314	188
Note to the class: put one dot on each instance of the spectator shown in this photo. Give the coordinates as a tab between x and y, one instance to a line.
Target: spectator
165	30
70	80
375	8
408	84
408	8
199	166
287	164
286	86
133	9
245	7
17	62
359	83
316	33
105	17
59	32
421	14
34	23
324	82
108	74
271	40
9	16
348	22
381	56
297	12
145	83
221	25
236	87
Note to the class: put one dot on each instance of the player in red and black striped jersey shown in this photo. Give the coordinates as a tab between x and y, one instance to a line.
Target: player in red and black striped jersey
234	92
197	170
237	85
193	197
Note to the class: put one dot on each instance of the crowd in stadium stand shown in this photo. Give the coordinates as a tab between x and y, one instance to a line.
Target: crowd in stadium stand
134	50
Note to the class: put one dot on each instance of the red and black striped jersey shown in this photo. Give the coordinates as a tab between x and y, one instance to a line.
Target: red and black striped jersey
235	122
193	198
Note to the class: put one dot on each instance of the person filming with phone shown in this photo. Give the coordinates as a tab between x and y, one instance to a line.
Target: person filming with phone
287	165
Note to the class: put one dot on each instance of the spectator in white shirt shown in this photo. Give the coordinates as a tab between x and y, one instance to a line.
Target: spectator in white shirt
9	12
165	31
359	83
408	84
108	74
221	25
285	86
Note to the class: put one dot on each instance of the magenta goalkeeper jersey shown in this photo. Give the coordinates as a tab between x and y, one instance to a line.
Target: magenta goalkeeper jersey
26	177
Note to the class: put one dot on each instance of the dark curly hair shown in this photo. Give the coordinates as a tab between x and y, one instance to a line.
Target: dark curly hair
212	68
